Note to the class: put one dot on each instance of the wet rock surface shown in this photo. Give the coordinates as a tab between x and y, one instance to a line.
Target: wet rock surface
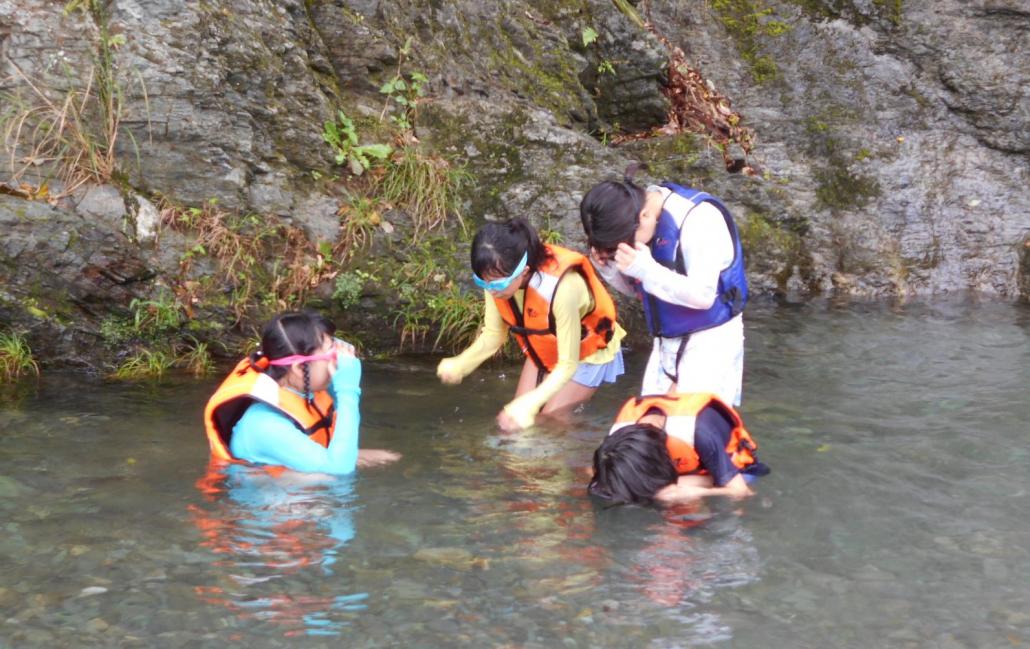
891	139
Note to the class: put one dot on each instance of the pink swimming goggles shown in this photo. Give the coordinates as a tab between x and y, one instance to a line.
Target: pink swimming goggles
298	358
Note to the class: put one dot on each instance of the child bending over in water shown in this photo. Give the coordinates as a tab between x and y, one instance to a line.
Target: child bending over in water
675	447
551	300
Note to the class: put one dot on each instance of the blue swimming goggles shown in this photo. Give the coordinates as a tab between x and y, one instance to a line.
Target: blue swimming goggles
498	285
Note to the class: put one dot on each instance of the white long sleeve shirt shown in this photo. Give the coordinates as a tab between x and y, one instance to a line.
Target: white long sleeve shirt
713	358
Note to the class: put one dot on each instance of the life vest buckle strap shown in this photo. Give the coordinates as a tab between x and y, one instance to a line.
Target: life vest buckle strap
735	298
526	331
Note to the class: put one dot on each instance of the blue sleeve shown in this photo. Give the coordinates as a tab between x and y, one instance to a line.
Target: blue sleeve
711	434
265	436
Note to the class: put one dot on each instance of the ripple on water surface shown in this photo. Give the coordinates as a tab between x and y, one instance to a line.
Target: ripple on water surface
894	516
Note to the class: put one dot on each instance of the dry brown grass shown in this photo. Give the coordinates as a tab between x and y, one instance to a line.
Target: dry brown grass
71	138
267	265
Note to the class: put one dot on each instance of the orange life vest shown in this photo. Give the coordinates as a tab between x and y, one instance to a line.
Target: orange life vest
741	446
244	386
534	325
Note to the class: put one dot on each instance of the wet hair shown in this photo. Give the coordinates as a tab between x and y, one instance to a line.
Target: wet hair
632	465
293	333
610	211
498	247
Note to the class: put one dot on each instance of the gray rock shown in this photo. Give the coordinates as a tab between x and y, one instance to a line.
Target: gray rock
317	216
148	220
103	202
892	138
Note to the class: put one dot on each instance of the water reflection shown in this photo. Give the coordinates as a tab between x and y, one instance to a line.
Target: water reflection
270	525
895	516
677	566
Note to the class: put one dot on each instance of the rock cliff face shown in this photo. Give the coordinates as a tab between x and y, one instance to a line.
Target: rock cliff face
891	135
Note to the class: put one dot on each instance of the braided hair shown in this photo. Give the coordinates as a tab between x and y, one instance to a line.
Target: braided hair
288	334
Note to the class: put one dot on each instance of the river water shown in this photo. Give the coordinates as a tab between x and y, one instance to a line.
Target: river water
895	515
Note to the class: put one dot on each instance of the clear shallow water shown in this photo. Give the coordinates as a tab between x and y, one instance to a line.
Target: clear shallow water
895	515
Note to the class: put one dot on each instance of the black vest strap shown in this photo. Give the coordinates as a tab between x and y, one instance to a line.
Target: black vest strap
325	421
520	323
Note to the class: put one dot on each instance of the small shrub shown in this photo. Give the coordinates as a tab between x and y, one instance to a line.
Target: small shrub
144	364
115	330
553	237
406	93
266	265
342	136
359	216
428	187
349	288
430	297
152	318
15	357
71	133
196	360
457	314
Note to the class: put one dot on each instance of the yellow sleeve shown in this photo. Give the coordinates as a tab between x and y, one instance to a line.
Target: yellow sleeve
571	302
486	344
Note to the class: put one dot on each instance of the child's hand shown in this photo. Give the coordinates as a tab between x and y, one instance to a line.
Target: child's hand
345	374
448	372
507	423
625	255
633	260
368	457
343	348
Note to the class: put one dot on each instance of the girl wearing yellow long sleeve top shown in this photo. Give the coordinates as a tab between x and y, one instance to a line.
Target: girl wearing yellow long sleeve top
551	300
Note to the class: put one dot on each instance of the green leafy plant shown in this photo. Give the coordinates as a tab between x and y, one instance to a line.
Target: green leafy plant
350	286
551	236
590	36
342	136
144	364
430	297
404	92
15	357
359	216
196	359
151	318
428	187
456	314
115	330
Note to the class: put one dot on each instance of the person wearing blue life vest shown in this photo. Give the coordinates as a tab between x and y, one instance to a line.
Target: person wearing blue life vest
678	249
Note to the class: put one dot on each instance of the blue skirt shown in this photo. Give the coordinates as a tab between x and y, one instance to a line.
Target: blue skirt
592	375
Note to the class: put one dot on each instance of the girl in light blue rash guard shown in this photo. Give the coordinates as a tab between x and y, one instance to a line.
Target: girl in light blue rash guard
316	378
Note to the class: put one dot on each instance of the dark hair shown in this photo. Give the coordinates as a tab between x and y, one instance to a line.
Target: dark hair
292	333
498	247
632	465
610	211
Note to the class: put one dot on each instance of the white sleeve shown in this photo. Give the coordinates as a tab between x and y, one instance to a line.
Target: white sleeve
707	250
